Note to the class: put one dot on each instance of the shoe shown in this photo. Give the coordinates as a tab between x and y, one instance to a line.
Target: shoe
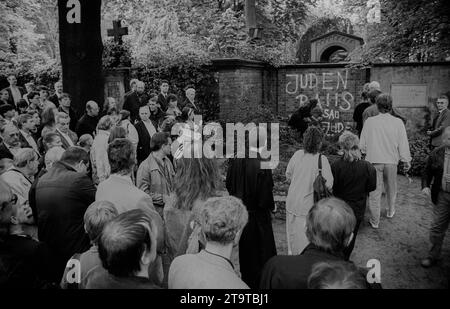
390	215
373	225
428	262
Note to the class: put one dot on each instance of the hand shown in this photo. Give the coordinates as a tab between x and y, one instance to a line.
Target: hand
426	191
428	132
406	166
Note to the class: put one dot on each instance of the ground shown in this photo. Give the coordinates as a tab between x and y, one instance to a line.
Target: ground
399	244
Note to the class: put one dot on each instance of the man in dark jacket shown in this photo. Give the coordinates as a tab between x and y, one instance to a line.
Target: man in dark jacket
437	176
56	97
88	123
329	228
440	122
62	196
135	100
162	97
15	93
145	130
247	181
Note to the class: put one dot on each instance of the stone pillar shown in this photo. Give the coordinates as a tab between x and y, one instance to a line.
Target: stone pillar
243	85
116	84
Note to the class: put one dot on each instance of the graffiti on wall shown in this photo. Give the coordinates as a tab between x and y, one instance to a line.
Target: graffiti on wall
331	89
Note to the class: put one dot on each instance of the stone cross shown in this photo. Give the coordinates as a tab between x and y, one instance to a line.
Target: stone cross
117	31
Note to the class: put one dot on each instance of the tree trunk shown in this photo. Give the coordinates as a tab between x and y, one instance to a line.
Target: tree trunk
81	51
250	14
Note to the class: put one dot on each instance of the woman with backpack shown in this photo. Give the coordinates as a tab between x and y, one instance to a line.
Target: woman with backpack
305	170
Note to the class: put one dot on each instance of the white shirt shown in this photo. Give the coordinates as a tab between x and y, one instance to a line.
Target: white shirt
30	140
384	140
15	94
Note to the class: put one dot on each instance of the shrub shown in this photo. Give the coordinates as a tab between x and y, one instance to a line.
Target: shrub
419	147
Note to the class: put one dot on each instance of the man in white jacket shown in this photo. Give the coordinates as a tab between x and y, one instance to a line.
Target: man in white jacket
385	143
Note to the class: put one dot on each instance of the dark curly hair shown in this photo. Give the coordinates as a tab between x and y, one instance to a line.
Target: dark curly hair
312	140
121	156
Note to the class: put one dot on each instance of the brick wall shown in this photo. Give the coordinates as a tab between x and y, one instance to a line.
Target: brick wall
337	88
243	85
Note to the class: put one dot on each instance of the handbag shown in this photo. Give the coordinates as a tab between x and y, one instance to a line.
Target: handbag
320	189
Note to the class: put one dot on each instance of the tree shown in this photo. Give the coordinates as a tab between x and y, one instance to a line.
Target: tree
81	52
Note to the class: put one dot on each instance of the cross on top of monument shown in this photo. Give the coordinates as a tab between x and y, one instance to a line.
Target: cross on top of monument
117	31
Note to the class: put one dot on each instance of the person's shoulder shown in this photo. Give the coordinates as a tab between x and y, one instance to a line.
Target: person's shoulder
281	261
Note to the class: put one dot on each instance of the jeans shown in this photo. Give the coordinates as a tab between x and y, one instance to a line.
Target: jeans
439	226
387	176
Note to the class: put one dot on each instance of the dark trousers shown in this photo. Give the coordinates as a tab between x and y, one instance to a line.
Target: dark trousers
256	247
439	225
348	251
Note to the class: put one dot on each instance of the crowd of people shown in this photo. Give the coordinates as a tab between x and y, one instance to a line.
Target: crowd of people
104	201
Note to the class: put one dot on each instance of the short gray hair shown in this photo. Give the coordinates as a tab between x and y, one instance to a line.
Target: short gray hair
97	216
222	218
329	224
349	143
23	156
53	155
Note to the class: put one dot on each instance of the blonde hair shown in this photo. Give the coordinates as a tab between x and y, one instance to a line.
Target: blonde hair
349	143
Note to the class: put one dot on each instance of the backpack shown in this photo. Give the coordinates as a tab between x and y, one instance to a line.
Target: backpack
320	189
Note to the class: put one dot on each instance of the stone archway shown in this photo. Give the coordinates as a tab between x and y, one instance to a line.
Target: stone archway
334	54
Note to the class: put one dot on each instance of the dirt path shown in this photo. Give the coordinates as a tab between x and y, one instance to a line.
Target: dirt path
399	244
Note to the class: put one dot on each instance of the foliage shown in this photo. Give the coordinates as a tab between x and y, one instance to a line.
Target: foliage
419	147
398	38
116	55
200	77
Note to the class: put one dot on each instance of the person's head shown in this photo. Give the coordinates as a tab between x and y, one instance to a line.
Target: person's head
349	143
7	111
96	217
110	102
59	87
22	105
336	275
316	112
121	155
313	103
374	86
173	100
64	100
164	86
10	135
115	117
330	224
196	179
36	117
167	124
21	214
4	95
26	160
117	132
144	113
48	117
43	92
384	103
365	92
76	157
133	84
222	220
12	80
26	123
187	114
312	140
140	87
62	122
190	93
161	141
85	142
92	109
373	95
127	244
34	97
442	103
52	156
152	102
50	140
29	87
105	123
